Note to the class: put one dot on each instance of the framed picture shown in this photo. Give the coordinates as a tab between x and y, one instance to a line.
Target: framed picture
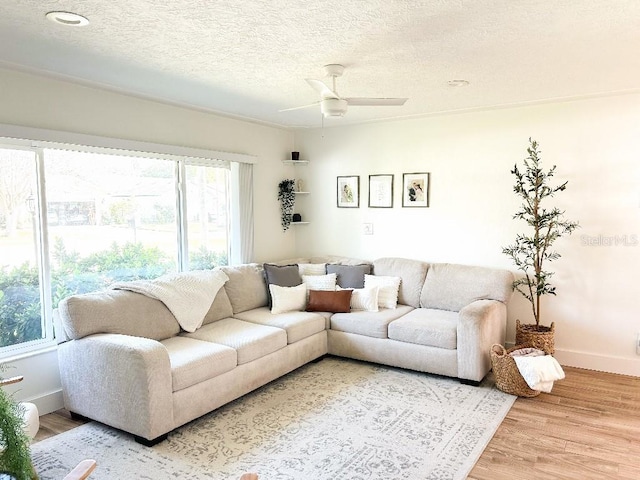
415	189
348	192
381	191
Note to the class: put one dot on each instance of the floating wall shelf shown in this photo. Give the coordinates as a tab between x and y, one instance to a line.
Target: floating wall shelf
296	162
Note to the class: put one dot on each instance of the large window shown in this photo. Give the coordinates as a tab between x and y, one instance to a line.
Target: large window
208	226
104	218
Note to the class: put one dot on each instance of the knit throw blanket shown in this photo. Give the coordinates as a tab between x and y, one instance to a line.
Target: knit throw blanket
537	369
187	295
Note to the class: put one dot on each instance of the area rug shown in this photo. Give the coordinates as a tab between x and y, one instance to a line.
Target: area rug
335	419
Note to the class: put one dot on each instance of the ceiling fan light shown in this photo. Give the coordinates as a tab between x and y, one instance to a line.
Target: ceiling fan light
333	107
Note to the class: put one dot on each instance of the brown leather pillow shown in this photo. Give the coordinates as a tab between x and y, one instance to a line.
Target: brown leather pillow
329	301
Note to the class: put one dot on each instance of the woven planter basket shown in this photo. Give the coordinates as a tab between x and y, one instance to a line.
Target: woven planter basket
538	337
506	373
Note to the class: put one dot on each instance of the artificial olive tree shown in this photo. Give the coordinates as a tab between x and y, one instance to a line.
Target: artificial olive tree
531	252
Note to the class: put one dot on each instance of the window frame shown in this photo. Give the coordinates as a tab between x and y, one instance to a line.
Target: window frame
42	260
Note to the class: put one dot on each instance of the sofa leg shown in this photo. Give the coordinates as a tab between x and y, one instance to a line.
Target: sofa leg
150	443
78	417
466	381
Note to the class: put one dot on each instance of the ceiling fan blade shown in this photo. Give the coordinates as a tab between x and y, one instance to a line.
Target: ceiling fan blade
322	89
315	104
376	102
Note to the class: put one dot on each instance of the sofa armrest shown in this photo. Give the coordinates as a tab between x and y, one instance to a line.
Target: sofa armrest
119	380
480	324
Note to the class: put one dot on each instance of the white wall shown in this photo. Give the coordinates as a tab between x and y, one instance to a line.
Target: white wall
39	102
595	144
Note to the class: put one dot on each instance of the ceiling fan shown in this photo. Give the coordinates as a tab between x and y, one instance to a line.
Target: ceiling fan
332	104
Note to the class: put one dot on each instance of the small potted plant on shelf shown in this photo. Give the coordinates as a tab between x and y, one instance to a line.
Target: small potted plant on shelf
287	198
532	251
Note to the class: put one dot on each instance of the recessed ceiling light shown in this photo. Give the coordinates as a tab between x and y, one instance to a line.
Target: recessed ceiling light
67	18
458	83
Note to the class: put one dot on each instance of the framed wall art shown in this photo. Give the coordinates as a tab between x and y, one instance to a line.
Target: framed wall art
415	189
348	192
380	191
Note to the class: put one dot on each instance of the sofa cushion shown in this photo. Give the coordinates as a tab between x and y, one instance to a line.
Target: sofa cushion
335	301
424	326
451	287
220	308
327	318
370	324
250	340
194	361
412	273
298	325
116	311
288	299
350	276
387	289
246	288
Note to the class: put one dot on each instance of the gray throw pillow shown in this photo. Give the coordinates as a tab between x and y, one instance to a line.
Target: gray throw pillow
282	275
349	276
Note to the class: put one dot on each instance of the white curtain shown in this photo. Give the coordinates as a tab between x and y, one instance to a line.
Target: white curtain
241	248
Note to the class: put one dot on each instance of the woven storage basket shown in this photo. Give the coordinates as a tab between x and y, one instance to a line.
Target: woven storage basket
506	373
543	340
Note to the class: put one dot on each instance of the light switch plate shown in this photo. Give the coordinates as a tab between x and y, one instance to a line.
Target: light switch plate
367	228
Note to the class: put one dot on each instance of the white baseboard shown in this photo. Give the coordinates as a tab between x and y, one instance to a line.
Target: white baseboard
600	363
49	402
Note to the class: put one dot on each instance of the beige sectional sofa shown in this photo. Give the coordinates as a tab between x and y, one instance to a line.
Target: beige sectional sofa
128	364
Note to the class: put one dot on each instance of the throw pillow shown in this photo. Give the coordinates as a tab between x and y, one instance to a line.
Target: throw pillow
324	301
349	276
288	299
364	299
320	282
388	289
312	268
282	276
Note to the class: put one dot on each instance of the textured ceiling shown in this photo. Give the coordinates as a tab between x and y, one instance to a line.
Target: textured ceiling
249	58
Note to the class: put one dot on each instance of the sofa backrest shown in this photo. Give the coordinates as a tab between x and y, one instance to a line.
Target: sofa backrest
220	308
116	311
246	287
411	272
337	259
452	287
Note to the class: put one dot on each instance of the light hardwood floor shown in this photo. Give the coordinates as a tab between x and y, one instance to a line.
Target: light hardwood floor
587	428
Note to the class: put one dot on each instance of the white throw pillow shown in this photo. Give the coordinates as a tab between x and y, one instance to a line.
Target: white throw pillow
388	289
288	299
312	268
320	282
363	298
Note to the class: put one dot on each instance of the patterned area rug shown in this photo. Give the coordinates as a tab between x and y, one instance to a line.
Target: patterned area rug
335	419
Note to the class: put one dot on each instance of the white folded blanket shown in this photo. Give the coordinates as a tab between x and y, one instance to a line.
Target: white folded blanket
538	370
187	295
